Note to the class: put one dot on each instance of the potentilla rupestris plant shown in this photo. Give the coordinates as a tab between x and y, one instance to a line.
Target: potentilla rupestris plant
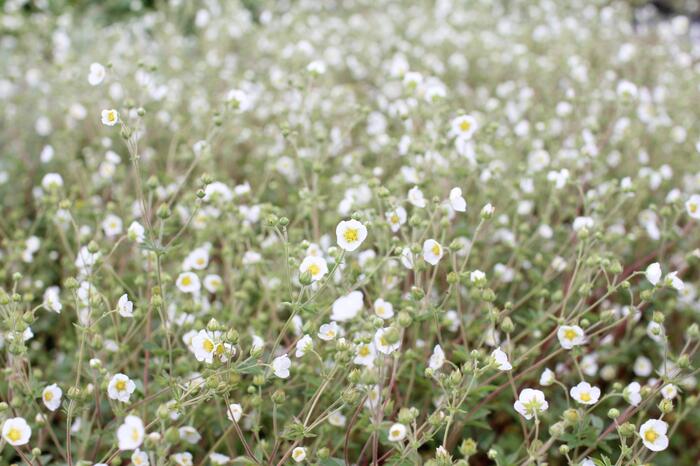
372	233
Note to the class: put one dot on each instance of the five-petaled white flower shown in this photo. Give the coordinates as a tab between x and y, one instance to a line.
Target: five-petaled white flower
97	74
125	307
501	359
653	434
415	197
299	454
281	365
585	394
315	266
463	127
110	117
188	282
457	201
328	332
397	432
692	205
120	388
51	396
234	412
570	336
130	434
304	344
432	251
396	218
16	431
350	234
383	309
530	403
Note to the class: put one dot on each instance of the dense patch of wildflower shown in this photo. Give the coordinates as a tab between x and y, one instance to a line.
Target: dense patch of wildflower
349	233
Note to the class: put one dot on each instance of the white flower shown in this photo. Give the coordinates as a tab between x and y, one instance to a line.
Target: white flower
653	273
198	259
631	393
407	258
304	344
365	354
188	282
212	283
182	459
112	225
587	462
316	67
316	266
415	197
437	359
110	117
281	365
52	300
97	74
674	282
501	359
692	205
585	394
547	377
570	336
382	344
328	332
234	412
463	127
350	234
530	403
669	391
136	232
219	458
139	458
347	307
396	218
120	388
189	434
457	201
16	431
130	434
397	432
581	223
337	419
383	309
299	454
432	251
51	181
642	366
51	396
653	434
204	346
477	277
125	307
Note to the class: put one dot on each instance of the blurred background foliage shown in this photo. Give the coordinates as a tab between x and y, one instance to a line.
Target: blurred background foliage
113	10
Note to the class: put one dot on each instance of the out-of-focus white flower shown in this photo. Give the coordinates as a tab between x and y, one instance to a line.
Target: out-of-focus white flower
281	365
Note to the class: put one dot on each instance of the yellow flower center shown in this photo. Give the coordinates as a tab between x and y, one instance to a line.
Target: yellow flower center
208	345
363	351
395	433
14	434
110	116
585	396
692	207
186	280
48	396
200	261
313	270
570	334
394	218
380	310
120	385
650	435
465	125
135	434
351	235
298	453
436	249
